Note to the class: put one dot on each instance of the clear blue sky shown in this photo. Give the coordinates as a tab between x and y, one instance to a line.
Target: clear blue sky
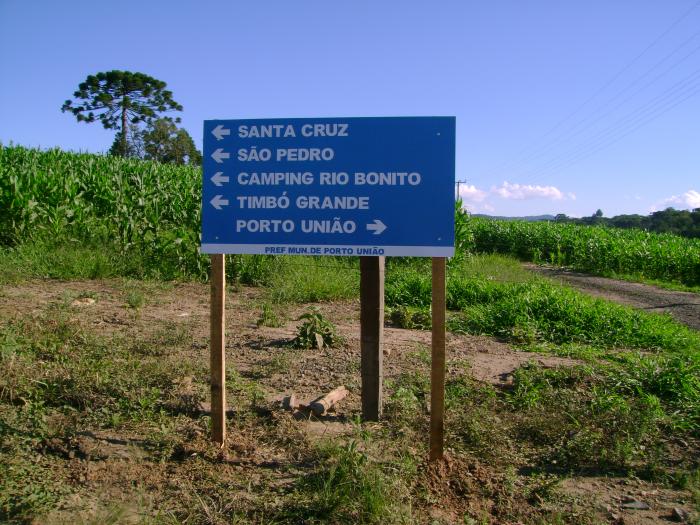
549	95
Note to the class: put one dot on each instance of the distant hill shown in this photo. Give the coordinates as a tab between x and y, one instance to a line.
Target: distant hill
528	218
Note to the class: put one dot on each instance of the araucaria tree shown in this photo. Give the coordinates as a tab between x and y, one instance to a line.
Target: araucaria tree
118	98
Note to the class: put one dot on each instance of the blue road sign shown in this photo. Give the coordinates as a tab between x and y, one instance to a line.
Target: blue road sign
329	186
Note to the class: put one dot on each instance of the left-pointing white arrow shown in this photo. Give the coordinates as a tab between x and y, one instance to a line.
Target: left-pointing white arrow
220	131
219	201
219	178
219	155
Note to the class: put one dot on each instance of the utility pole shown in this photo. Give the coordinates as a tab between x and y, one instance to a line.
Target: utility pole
458	184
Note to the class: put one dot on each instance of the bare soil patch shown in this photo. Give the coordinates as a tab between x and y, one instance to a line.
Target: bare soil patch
252	349
627	501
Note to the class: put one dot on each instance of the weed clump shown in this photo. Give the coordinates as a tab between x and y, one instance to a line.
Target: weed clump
583	421
347	487
315	332
268	317
405	317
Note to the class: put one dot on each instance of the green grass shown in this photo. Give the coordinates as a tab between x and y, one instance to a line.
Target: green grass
57	380
611	415
609	418
347	487
582	421
540	311
80	372
313	279
27	487
496	297
269	317
67	261
493	293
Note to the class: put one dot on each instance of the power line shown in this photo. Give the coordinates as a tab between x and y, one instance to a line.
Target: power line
520	157
678	91
636	119
605	145
577	129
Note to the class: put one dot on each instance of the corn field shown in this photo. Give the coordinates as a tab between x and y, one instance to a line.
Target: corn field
592	249
154	210
145	206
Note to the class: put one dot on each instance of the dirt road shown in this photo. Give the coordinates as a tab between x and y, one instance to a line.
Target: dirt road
683	306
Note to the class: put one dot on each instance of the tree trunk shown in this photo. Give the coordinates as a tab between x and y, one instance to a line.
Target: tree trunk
124	127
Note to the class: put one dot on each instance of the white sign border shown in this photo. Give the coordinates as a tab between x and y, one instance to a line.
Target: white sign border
328	250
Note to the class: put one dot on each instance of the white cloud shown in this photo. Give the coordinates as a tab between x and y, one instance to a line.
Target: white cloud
530	191
471	193
478	200
689	200
481	207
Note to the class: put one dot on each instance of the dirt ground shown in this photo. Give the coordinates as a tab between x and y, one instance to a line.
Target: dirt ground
115	461
683	306
188	305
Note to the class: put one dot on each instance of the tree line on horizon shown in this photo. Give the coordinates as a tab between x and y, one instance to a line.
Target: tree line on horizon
136	106
685	223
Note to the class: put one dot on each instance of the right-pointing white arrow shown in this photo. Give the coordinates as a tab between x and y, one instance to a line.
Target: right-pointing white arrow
219	155
220	131
219	201
377	227
219	178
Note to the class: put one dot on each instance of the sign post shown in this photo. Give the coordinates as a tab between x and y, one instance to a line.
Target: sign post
217	343
371	335
365	187
437	361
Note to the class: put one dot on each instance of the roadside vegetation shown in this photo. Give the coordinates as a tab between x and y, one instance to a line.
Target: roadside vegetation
88	399
593	249
145	218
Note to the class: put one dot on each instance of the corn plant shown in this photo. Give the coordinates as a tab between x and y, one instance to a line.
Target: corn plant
595	249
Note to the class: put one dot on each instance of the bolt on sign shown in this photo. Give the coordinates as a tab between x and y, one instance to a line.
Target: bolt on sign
331	186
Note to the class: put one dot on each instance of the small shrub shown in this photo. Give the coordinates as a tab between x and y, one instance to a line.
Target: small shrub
400	317
422	320
268	317
315	332
348	487
405	317
135	299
